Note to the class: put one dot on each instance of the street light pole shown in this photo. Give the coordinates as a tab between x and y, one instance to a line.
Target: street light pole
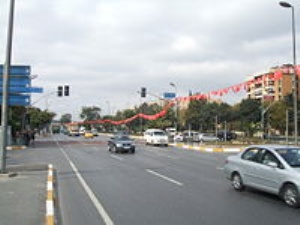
176	105
295	80
5	93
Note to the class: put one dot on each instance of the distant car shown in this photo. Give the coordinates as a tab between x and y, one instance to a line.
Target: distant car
95	132
190	136
73	132
270	168
156	137
226	135
208	138
171	132
178	137
120	144
88	134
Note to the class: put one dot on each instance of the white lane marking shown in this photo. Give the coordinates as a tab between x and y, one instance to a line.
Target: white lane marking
116	157
106	218
50	208
220	168
171	157
165	177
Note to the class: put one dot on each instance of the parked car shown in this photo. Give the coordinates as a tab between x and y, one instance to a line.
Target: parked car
270	168
190	136
178	137
156	137
171	132
226	135
203	137
120	144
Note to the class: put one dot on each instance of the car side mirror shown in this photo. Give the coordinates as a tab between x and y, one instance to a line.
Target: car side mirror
272	164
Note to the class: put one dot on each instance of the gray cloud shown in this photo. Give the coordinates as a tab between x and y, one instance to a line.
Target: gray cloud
107	50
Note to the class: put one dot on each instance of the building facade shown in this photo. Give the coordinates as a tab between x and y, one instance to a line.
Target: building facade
272	85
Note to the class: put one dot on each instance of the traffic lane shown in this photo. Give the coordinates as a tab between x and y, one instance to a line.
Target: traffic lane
75	206
119	183
131	195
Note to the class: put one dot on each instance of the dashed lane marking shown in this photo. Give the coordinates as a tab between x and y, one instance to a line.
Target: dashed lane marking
164	177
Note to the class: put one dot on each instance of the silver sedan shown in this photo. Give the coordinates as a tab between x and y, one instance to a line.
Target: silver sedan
270	168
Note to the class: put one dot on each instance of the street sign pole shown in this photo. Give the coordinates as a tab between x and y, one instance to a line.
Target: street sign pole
5	89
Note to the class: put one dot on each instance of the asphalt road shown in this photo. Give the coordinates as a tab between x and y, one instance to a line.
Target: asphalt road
157	185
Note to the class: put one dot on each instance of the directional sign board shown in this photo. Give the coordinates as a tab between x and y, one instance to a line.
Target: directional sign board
13	81
169	95
17	70
19	85
19	89
20	100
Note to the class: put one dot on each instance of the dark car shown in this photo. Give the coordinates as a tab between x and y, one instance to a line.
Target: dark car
120	144
226	135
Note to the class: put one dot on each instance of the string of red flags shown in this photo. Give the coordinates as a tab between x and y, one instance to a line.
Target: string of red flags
262	79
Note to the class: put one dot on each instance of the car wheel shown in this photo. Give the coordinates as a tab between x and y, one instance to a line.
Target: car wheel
132	151
114	149
290	196
237	182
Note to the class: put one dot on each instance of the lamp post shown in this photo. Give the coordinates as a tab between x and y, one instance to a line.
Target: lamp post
5	93
295	83
176	105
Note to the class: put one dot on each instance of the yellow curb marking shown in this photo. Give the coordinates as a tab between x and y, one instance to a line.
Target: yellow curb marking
50	197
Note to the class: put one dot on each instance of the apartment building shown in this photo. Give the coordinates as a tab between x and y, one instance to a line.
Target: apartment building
271	85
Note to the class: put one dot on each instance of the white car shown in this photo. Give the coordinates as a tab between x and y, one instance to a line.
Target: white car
208	137
156	137
178	137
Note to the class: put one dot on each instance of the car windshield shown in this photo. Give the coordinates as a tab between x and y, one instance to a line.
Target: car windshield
123	138
290	155
159	133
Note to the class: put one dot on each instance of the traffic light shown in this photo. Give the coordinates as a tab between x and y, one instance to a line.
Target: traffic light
67	90
59	91
143	92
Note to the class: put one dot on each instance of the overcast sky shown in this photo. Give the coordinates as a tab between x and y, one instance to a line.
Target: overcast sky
106	50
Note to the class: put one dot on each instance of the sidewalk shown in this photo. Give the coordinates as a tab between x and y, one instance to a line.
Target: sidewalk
23	197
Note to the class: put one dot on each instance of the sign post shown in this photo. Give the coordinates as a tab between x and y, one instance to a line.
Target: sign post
5	89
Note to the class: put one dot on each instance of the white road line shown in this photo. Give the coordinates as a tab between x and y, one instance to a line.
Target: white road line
165	177
107	220
117	157
220	168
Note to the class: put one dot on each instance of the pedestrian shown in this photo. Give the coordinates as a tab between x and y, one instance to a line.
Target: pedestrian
26	137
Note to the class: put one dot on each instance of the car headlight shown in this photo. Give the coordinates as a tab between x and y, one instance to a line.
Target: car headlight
119	145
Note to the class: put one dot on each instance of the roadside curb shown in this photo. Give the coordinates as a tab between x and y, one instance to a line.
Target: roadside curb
50	216
208	149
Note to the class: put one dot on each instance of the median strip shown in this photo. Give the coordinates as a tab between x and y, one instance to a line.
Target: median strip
207	149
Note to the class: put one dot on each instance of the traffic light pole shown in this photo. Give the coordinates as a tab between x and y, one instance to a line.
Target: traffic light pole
5	93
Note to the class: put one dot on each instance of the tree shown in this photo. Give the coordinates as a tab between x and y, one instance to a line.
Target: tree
90	113
248	112
277	116
39	119
66	118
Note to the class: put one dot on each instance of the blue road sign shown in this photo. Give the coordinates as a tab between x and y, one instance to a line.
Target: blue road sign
25	82
20	100
18	70
169	95
20	89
